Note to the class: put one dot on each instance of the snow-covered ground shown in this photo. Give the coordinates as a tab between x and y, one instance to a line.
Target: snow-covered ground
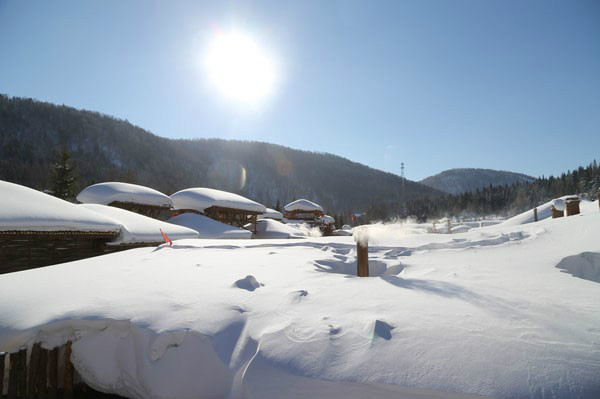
486	312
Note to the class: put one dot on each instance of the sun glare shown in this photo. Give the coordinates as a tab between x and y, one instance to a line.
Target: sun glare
239	68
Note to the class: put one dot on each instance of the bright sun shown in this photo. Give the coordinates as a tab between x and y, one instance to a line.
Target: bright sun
239	68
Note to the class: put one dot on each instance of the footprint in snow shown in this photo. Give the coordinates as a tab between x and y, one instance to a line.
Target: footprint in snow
296	296
248	283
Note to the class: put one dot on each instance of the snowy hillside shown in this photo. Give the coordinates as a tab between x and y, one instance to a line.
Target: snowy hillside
456	181
487	312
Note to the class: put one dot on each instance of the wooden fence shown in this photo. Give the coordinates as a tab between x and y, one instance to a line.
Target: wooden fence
49	374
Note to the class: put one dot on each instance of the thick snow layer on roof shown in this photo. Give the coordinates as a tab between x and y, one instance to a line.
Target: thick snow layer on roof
544	212
269	229
201	198
25	209
209	228
136	228
106	193
484	312
272	214
303	205
328	219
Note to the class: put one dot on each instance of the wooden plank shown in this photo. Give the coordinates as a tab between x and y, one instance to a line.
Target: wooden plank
68	373
53	374
2	360
22	373
12	376
42	377
33	372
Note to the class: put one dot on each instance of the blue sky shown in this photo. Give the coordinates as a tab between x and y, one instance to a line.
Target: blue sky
511	85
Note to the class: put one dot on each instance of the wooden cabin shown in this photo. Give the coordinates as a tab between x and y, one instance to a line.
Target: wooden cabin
37	230
304	211
131	197
222	206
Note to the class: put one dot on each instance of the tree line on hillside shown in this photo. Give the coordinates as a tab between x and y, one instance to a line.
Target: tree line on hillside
33	134
507	200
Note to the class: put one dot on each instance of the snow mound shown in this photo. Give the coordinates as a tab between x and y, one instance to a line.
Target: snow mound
461	228
136	228
272	214
266	228
200	198
303	205
248	283
342	232
586	265
209	228
25	209
106	193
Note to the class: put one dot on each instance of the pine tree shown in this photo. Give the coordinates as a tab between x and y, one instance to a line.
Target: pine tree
278	206
62	179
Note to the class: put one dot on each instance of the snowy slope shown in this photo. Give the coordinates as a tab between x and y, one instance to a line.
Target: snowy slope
25	209
485	312
106	193
209	228
136	228
544	212
201	198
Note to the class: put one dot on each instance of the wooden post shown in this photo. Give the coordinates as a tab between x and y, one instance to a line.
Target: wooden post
42	374
68	381
362	258
2	357
32	372
53	373
449	226
12	376
22	373
535	215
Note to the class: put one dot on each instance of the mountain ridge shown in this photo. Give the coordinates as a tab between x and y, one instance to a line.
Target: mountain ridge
461	180
104	148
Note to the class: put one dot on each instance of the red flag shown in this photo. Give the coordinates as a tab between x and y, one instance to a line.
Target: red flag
166	238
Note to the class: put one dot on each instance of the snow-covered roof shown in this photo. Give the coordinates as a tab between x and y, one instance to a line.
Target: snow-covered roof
106	193
201	198
272	214
303	205
25	209
328	219
267	228
209	228
136	228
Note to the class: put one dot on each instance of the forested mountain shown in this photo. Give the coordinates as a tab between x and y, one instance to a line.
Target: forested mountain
506	200
33	134
457	181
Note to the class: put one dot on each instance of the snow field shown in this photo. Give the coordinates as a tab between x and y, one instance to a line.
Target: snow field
485	312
